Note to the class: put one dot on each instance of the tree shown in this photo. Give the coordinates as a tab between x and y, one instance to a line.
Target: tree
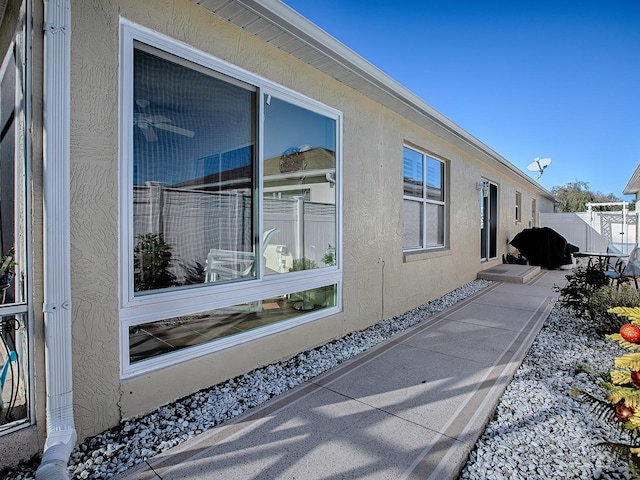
574	195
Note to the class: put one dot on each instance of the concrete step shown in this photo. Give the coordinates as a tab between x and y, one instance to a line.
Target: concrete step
508	272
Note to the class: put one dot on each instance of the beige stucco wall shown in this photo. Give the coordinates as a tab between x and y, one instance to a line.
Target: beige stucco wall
378	282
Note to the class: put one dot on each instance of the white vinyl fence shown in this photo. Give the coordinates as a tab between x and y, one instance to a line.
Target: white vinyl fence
595	231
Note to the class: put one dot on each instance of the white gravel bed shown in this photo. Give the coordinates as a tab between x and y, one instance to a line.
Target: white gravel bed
539	431
134	441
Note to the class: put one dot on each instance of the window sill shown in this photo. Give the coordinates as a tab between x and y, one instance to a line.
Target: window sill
425	255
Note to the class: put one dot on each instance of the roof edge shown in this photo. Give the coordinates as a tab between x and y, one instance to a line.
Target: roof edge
633	187
301	28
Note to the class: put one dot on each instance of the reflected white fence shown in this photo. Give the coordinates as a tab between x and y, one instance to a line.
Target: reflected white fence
193	222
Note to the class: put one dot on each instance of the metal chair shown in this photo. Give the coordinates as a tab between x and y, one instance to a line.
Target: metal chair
624	272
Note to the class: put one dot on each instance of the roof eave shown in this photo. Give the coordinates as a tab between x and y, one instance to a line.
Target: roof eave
296	35
633	187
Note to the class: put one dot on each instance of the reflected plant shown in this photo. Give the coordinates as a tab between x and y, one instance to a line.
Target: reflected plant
303	263
151	263
329	258
194	273
7	267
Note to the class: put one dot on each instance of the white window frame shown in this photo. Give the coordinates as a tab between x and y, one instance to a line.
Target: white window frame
518	207
22	308
135	310
424	201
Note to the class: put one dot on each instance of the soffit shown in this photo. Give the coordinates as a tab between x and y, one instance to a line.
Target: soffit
634	183
277	24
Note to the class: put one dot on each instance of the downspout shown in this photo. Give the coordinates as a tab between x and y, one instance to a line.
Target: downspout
61	433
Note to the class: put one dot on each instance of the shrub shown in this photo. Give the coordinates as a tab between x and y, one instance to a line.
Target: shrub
621	387
581	285
608	297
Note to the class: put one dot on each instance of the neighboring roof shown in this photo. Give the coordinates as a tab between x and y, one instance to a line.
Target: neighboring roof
633	187
315	160
284	28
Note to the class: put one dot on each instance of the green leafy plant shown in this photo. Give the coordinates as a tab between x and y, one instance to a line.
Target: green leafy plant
609	413
580	286
605	298
151	263
582	368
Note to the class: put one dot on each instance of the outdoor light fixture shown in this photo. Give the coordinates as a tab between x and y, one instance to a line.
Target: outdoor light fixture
483	187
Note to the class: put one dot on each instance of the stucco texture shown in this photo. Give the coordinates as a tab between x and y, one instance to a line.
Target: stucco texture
378	280
94	215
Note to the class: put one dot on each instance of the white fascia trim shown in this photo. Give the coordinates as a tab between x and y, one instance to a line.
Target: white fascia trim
304	30
633	186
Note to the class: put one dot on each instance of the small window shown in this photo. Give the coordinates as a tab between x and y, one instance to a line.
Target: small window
534	212
518	207
424	201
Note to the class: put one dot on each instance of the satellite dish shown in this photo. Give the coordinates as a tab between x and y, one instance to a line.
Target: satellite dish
538	165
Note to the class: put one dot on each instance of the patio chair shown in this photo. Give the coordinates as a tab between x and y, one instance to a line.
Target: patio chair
623	272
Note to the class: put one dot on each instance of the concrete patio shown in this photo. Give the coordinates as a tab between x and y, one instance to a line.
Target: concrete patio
412	407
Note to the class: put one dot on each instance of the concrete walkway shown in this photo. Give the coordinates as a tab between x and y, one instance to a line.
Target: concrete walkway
410	408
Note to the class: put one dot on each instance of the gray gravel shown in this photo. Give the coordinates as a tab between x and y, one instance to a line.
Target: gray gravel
539	430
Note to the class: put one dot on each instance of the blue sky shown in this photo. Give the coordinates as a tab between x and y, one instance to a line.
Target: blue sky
558	79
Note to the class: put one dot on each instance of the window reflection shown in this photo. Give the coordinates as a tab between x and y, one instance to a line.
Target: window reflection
13	370
193	175
161	337
299	188
15	377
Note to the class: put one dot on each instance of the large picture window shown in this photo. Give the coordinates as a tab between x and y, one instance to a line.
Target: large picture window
230	225
424	201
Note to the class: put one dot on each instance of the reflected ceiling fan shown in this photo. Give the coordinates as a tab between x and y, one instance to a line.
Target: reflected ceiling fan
148	123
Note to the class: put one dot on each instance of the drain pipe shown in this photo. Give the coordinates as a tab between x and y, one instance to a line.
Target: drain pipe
61	433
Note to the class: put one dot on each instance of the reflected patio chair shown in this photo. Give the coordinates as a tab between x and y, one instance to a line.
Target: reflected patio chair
232	264
228	265
624	272
11	357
